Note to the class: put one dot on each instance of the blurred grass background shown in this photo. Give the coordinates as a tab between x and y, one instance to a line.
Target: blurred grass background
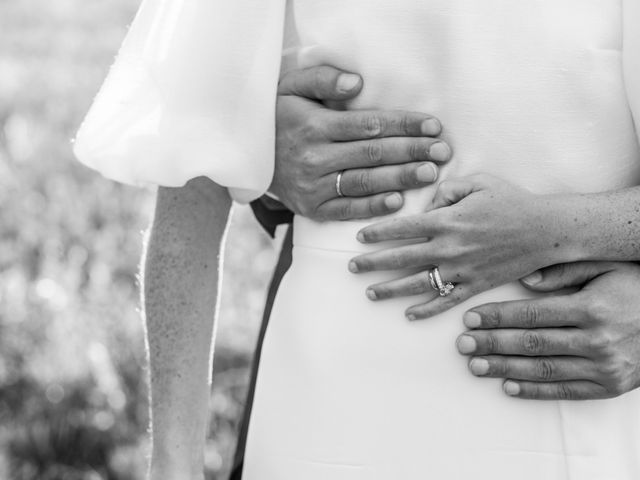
73	394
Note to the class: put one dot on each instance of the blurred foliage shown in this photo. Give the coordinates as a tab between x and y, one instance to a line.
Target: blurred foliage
73	394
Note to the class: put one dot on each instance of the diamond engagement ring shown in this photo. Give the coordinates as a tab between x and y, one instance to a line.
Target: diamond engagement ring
435	279
338	184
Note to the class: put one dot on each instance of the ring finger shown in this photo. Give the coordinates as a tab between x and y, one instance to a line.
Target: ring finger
362	182
416	284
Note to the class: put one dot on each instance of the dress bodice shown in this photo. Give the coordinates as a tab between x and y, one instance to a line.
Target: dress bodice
532	91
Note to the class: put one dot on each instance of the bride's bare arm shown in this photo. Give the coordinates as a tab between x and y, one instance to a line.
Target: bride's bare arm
180	294
483	232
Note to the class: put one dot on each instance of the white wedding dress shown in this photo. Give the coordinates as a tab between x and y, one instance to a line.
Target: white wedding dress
538	92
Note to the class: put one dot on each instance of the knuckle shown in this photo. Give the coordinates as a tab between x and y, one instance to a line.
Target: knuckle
307	189
309	161
532	343
363	181
600	343
544	369
499	368
615	373
405	124
372	125
344	211
492	344
529	316
310	127
565	392
599	309
408	176
415	151
492	318
375	152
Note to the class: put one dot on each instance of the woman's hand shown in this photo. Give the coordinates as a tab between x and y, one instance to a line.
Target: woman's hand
480	231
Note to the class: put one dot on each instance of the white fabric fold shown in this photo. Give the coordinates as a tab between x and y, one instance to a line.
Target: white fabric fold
631	59
191	93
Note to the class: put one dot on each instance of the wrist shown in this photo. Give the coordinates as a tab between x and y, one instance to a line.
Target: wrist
562	231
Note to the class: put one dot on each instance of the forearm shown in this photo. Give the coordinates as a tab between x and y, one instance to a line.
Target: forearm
180	287
601	226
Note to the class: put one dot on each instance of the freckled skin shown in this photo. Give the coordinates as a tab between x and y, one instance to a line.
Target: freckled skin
180	294
484	232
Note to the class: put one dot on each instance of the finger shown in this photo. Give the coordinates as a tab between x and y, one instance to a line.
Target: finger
561	311
416	284
385	151
450	192
402	228
367	124
570	390
320	83
367	181
538	369
530	343
351	208
439	303
395	258
565	275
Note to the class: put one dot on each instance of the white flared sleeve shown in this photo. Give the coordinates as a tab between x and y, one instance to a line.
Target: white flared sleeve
191	93
631	57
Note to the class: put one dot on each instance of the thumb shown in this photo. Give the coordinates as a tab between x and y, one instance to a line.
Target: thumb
320	83
564	275
452	191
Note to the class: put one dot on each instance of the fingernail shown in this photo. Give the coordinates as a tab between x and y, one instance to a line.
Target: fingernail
466	344
440	152
431	127
371	294
472	320
479	366
347	82
411	317
533	279
427	173
511	388
353	267
393	201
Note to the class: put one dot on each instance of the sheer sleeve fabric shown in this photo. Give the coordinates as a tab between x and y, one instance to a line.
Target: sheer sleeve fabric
631	57
191	93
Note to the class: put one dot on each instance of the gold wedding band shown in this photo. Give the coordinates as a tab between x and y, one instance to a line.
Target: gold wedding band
339	184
